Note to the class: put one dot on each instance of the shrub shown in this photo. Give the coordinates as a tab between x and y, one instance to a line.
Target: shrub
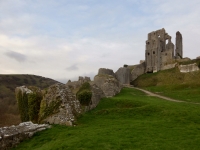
84	94
84	97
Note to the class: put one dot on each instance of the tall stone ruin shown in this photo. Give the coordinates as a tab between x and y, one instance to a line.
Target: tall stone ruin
160	50
179	45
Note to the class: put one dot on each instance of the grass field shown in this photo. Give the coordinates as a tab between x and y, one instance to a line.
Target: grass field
130	120
172	83
180	92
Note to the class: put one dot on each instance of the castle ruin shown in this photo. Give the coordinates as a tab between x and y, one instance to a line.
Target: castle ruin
160	50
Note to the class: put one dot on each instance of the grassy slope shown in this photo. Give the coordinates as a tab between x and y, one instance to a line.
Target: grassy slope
172	83
130	120
8	83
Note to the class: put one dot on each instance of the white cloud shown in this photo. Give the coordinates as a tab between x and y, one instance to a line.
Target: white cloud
65	39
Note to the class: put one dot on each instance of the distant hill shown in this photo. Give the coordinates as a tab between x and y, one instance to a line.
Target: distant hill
8	107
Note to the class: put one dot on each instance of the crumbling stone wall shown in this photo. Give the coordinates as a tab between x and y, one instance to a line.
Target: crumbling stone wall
107	82
97	94
104	71
77	84
137	71
179	45
59	106
28	100
13	135
188	68
123	75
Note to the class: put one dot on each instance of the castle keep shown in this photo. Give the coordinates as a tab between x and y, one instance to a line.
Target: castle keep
160	50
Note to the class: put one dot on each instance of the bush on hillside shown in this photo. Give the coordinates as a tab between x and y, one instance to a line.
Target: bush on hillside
84	94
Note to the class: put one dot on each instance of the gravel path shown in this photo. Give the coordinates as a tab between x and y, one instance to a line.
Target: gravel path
162	97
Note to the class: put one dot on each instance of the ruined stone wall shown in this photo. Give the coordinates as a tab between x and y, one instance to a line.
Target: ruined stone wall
104	71
59	106
77	84
97	94
159	50
123	75
179	46
188	68
107	82
13	135
137	71
154	46
166	58
169	66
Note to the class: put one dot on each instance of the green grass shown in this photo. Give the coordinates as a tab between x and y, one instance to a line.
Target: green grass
168	77
172	83
130	120
184	92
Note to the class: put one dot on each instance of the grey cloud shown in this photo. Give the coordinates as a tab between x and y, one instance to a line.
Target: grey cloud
17	56
72	67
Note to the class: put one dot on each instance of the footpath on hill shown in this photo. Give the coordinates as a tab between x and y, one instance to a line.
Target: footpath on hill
160	96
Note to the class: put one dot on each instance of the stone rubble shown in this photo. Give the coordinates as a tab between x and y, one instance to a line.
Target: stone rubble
13	135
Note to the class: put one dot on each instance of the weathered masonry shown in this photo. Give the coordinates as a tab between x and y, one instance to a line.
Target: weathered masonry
160	50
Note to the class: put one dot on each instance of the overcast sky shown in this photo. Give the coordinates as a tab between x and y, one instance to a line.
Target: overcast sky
64	39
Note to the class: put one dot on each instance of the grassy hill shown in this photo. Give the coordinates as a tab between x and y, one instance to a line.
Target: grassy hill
130	120
173	83
8	108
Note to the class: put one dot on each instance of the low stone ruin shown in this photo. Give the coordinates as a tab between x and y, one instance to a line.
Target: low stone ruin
123	75
188	68
13	135
137	71
107	82
77	84
105	71
97	94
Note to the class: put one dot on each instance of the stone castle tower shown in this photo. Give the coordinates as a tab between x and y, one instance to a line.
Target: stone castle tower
160	50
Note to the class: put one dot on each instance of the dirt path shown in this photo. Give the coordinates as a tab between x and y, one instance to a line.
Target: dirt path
163	97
